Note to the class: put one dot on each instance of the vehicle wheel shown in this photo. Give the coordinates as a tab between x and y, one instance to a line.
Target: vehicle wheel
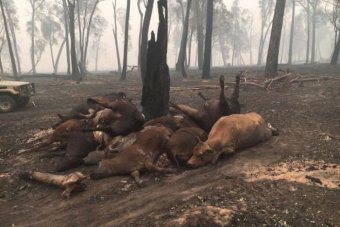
7	103
22	102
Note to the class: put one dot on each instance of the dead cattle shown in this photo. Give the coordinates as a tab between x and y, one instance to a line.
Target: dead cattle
88	110
116	145
213	109
183	141
119	118
230	133
79	144
141	155
172	122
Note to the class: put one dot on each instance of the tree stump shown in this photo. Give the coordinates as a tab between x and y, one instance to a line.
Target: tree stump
156	85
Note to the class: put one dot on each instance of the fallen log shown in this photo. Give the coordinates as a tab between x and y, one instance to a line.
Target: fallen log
70	182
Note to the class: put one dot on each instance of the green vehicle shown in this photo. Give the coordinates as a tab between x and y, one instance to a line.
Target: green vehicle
15	95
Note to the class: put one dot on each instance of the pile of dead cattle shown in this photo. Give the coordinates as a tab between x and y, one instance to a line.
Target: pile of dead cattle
109	131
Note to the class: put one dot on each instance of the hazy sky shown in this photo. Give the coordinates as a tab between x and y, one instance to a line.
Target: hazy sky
107	58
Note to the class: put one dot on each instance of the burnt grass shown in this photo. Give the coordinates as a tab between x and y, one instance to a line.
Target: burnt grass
303	114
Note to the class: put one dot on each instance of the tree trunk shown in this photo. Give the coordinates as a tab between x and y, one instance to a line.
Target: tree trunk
87	37
126	41
156	87
14	68
66	25
51	51
32	38
259	56
180	65
81	41
115	36
189	49
1	67
14	38
312	60
274	44
97	54
308	32
200	36
58	55
283	42
75	69
141	15
290	54
208	40
336	52
144	39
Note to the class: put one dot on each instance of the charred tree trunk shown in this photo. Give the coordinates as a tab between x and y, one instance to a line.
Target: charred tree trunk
200	37
208	40
156	87
126	40
141	15
67	37
144	39
75	69
182	52
274	45
32	38
290	54
336	52
14	68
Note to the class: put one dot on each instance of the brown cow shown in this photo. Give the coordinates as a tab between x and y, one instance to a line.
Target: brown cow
230	133
119	118
116	145
142	154
79	144
172	122
213	109
183	141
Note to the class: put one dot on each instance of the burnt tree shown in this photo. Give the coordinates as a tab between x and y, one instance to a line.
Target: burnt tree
156	84
144	38
75	69
275	37
208	40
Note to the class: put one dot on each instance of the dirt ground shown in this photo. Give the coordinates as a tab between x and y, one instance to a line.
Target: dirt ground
291	180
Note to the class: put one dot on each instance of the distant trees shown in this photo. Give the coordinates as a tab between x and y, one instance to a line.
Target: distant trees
13	22
274	44
266	9
144	38
291	39
37	45
75	70
115	34
14	68
180	65
126	40
332	11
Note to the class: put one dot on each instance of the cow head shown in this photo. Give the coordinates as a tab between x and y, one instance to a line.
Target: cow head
119	118
202	155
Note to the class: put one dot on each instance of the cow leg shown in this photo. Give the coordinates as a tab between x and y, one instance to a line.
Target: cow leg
189	111
136	176
153	168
